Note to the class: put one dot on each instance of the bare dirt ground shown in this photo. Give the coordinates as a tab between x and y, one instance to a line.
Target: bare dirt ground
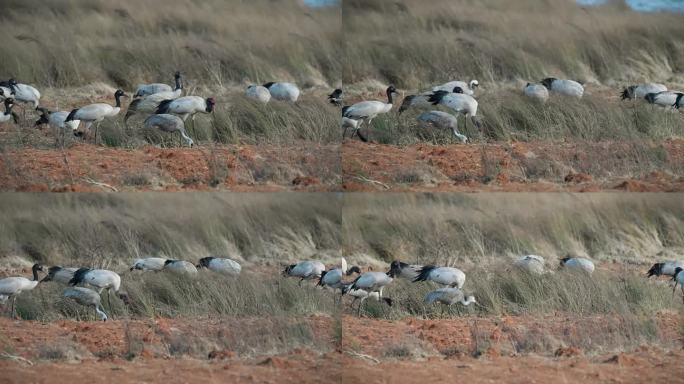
228	167
474	349
541	166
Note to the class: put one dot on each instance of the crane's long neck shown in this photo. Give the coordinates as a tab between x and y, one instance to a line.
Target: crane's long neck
117	97
179	83
390	98
8	108
35	274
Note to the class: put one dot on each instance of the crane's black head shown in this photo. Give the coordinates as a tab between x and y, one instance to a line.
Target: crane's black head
458	90
288	268
119	93
391	89
210	104
71	115
677	270
628	92
680	95
43	119
354	269
548	81
656	270
204	262
335	94
12	82
564	260
269	84
9	102
177	75
169	261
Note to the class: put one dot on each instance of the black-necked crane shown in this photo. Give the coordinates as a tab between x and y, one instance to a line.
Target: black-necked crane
366	111
442	120
101	279
666	268
663	99
578	263
220	265
450	276
335	97
8	115
370	282
459	103
57	119
180	267
150	89
95	113
422	100
62	275
187	106
305	270
564	87
678	278
149	264
404	270
536	91
333	278
283	91
258	93
467	88
10	287
24	93
86	297
169	123
640	91
448	296
530	263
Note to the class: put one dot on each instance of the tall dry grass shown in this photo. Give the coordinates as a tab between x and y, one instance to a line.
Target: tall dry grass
66	42
470	230
102	230
414	43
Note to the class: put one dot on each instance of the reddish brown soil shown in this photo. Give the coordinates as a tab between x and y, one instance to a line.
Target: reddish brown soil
445	351
236	168
577	166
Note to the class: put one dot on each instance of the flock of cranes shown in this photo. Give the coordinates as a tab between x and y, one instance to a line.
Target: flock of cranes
348	281
168	109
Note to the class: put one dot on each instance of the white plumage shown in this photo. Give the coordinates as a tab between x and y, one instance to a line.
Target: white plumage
368	110
372	282
186	106
221	265
459	103
467	88
25	93
99	278
168	123
258	93
640	91
665	268
180	267
149	264
57	119
564	87
86	297
663	99
530	263
7	115
333	278
450	276
283	91
422	100
442	120
10	287
448	296
536	91
150	89
305	270
60	275
96	112
578	263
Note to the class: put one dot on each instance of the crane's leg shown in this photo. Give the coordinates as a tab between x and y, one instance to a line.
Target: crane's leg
14	301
